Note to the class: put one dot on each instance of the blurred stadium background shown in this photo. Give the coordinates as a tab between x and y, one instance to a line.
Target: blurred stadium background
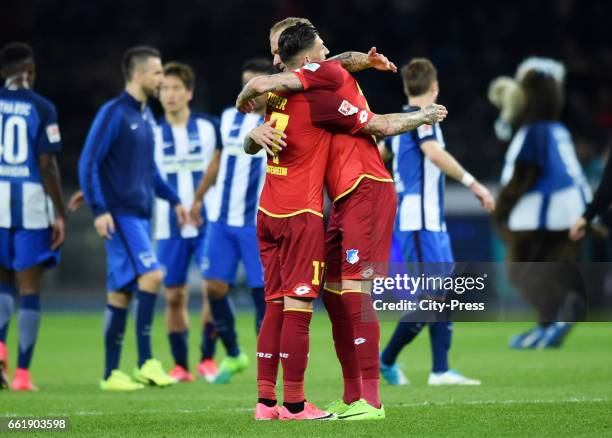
79	45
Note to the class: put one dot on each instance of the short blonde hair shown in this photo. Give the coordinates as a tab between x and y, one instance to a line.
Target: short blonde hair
287	22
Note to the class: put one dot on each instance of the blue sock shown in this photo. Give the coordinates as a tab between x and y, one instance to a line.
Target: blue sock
440	334
145	308
260	306
28	322
209	341
7	306
404	333
223	315
115	319
178	345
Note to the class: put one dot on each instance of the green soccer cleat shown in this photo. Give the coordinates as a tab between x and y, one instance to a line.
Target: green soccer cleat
231	366
119	381
362	410
152	373
337	407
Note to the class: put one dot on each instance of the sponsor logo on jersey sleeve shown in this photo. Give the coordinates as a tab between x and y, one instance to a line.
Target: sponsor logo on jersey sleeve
53	133
363	116
425	130
313	66
347	109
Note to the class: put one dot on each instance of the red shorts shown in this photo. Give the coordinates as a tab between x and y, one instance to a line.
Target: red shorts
359	233
292	250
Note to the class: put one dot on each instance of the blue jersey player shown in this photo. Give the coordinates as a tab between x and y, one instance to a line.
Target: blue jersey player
420	163
186	142
231	235
31	206
120	179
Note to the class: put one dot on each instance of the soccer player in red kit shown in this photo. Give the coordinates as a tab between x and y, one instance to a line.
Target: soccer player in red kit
291	242
337	105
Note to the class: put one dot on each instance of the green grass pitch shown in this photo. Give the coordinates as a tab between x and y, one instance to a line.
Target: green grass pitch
565	392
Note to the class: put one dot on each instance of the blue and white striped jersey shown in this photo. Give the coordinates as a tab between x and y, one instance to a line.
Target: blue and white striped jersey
183	155
419	182
561	192
28	128
241	176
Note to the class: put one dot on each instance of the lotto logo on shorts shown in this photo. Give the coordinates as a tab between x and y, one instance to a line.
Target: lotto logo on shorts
352	256
301	290
284	355
367	273
360	341
264	355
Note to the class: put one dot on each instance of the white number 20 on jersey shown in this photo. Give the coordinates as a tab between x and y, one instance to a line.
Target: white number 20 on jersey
13	140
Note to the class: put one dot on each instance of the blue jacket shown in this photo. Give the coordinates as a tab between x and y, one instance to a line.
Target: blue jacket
117	169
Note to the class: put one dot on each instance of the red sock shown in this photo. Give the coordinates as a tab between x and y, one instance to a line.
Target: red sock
366	331
342	332
294	353
268	347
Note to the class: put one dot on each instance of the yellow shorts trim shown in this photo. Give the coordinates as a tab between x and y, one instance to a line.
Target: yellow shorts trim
291	309
354	186
295	213
333	291
345	291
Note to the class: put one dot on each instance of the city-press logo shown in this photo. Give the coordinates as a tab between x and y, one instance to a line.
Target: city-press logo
352	256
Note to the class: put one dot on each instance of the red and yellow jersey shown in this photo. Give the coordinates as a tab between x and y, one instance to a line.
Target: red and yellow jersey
294	177
339	106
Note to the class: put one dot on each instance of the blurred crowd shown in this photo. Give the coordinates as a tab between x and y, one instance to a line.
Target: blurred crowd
79	47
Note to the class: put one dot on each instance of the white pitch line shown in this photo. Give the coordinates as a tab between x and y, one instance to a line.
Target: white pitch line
393	405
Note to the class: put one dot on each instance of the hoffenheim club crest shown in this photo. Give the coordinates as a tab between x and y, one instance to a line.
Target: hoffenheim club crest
352	256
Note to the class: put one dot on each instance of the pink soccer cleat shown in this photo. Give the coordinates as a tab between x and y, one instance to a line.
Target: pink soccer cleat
180	374
4	380
22	381
310	412
208	370
263	412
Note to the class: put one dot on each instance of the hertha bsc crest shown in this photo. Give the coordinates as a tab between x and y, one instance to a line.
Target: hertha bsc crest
352	256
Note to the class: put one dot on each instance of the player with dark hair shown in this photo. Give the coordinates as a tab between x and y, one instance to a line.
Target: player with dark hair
120	179
231	234
187	148
32	216
420	164
357	182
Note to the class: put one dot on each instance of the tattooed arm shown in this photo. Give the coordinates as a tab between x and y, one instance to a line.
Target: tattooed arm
357	61
259	85
383	125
